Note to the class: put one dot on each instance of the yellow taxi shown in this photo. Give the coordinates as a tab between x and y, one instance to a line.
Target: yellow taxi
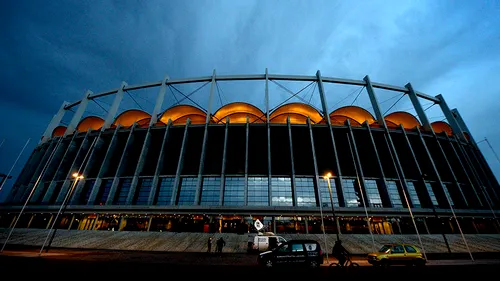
397	254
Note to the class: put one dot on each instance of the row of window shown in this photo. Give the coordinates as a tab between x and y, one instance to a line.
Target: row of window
233	192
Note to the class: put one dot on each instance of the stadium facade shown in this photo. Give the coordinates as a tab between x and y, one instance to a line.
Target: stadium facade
191	169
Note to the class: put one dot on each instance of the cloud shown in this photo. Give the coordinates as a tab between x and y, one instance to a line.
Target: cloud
55	51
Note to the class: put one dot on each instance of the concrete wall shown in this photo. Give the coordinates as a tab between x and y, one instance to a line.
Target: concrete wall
235	243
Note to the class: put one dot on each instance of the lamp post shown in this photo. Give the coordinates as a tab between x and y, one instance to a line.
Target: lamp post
64	204
327	178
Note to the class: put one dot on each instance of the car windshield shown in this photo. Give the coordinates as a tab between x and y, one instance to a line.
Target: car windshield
384	249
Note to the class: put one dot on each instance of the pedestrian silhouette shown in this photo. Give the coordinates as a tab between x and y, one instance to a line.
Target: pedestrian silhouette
220	244
209	244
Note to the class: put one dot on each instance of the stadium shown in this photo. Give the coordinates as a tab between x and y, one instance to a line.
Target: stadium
297	167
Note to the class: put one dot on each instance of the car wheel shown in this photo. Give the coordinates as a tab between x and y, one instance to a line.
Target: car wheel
384	263
268	263
313	264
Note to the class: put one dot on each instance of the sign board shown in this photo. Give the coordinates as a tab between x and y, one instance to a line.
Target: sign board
258	224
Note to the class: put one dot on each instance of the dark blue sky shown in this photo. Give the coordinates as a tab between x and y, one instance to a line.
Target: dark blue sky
53	51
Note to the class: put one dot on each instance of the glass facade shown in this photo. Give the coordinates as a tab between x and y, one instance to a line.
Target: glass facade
123	190
434	201
447	192
392	190
258	191
165	191
306	197
281	191
87	189
234	191
374	199
210	192
413	194
350	196
144	191
325	193
187	191
103	194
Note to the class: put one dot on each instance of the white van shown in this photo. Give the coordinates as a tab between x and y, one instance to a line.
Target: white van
261	243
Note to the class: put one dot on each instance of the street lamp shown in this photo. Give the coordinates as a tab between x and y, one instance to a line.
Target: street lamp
64	204
327	178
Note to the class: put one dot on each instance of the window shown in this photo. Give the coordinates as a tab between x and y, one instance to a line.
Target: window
374	199
431	194
284	249
413	194
165	191
122	194
102	196
398	249
281	188
304	188
351	199
311	246
234	191
410	249
210	192
392	189
447	192
258	191
144	190
297	248
325	193
187	191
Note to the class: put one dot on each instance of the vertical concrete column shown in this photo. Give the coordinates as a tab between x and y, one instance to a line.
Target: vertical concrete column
40	171
97	148
121	165
436	173
68	178
382	189
26	172
114	108
450	118
224	161
463	199
357	163
50	191
326	116
159	101
493	183
180	165
20	187
418	108
477	178
268	126
140	165
455	115
315	164
247	134
462	166
199	183
294	190
159	166
56	120
78	114
104	166
388	140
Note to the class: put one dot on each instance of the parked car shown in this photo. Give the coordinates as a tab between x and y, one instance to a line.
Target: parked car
397	254
293	252
261	243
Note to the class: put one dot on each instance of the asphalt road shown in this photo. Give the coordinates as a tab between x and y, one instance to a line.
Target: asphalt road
78	264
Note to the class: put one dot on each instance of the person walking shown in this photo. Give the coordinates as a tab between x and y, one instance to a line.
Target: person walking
209	244
220	244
